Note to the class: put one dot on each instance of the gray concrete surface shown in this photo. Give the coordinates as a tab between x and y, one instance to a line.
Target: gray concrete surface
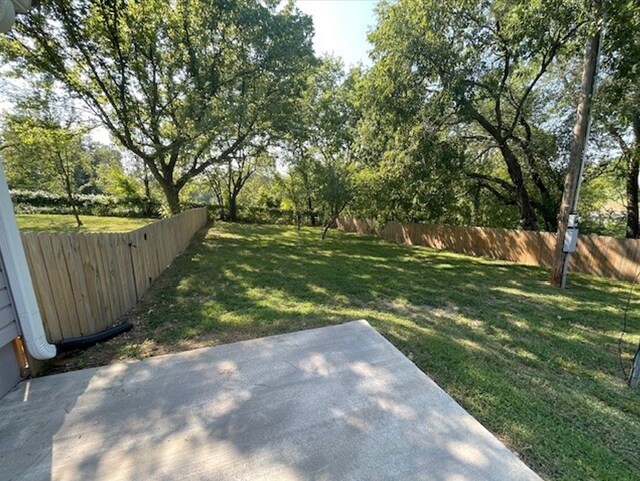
337	403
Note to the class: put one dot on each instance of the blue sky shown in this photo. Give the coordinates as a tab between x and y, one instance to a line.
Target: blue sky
341	27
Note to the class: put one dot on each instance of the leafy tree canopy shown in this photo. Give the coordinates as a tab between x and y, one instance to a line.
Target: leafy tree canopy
182	84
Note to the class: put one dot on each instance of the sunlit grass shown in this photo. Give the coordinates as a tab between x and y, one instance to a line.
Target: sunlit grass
537	366
67	223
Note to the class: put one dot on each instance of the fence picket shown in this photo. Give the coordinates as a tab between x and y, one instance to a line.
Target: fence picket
85	282
41	285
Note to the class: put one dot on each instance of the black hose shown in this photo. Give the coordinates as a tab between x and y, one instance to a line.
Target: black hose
83	342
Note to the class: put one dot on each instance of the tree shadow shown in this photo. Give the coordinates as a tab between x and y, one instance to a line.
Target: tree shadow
337	405
517	353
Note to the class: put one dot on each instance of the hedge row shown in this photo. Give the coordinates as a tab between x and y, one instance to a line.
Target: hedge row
42	202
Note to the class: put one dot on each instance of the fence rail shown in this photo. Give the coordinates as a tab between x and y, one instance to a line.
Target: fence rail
596	255
84	282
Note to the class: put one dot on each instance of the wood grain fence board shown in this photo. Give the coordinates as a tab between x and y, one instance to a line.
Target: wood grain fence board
82	265
633	247
75	270
109	276
127	268
599	253
117	275
66	287
60	286
108	293
122	272
92	281
158	248
147	255
623	263
124	254
616	258
591	252
136	260
105	291
153	252
140	262
42	286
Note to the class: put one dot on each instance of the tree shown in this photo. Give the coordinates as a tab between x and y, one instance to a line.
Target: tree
182	85
294	195
44	144
321	148
408	170
335	189
300	184
227	181
618	103
131	187
102	158
472	69
332	131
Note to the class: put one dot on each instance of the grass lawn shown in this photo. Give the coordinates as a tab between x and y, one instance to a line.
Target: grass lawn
67	223
536	365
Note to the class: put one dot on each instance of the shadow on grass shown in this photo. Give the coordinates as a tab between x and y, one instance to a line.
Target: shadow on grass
536	365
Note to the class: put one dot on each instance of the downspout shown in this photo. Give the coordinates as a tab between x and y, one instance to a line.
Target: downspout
19	278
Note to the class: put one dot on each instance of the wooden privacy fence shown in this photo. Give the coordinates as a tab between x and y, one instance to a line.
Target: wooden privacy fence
596	255
84	282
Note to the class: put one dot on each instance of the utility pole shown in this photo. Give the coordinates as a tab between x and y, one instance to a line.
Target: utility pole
567	235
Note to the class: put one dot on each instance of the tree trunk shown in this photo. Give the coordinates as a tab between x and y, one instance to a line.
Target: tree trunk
164	176
147	187
65	176
633	223
148	206
475	206
574	172
74	209
327	227
312	215
333	219
528	219
172	194
220	200
72	201
632	198
233	207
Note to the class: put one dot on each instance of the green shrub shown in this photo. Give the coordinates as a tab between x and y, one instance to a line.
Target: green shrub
263	215
42	202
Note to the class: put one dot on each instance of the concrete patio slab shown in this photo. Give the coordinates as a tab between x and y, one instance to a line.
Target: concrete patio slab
336	403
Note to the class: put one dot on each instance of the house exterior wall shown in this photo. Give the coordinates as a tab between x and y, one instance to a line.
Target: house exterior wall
9	366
